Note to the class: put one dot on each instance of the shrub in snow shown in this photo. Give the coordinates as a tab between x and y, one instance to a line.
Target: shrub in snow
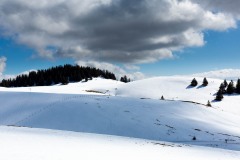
194	82
162	98
209	104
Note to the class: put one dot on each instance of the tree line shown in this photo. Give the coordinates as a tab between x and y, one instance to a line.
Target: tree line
228	88
225	88
55	75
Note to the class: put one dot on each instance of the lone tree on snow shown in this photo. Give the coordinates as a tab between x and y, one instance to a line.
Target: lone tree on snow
205	82
194	82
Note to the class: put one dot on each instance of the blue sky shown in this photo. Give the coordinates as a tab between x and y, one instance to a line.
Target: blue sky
126	37
221	51
21	58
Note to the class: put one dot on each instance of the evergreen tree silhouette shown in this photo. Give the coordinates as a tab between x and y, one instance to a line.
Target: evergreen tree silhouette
56	75
230	88
205	82
219	96
194	83
238	86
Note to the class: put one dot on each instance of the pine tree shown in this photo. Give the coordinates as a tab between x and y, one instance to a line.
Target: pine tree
225	83
219	95
205	82
222	88
194	82
238	86
230	88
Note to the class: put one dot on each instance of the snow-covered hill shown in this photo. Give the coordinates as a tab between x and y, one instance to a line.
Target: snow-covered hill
177	88
42	144
131	110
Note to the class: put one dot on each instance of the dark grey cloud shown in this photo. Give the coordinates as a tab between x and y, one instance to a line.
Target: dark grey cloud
128	31
229	6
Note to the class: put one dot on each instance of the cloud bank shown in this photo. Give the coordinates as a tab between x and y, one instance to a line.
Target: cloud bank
118	71
228	74
123	31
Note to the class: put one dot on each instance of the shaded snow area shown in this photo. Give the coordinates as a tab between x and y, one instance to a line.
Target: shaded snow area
41	144
169	129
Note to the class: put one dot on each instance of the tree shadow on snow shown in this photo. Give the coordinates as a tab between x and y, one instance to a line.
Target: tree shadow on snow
190	87
202	86
215	101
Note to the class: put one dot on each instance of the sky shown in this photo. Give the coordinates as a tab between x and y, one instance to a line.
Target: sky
139	38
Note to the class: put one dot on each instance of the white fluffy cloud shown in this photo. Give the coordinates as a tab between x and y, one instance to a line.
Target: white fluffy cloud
228	74
118	71
2	68
125	31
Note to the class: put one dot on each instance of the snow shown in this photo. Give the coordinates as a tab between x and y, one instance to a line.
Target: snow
177	88
97	84
41	144
131	110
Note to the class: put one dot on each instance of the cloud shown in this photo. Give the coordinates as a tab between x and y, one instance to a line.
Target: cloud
3	61
229	6
125	31
118	71
228	74
2	64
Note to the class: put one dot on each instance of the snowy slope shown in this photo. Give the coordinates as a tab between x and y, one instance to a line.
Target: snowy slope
172	88
131	110
39	144
131	117
177	88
